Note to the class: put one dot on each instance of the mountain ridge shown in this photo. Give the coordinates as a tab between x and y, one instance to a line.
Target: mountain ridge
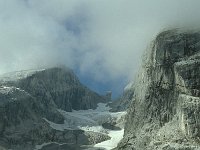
26	98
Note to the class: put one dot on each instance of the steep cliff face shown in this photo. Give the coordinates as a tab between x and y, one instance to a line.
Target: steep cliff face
164	113
27	97
55	87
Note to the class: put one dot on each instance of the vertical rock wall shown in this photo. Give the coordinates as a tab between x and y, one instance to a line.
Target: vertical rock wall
165	107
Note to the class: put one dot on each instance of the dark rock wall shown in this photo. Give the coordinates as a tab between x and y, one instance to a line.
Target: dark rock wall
26	101
60	87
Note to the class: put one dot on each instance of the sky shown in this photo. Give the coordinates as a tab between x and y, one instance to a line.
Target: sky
101	40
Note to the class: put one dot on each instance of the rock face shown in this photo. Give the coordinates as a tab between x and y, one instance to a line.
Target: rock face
123	102
27	97
58	87
164	113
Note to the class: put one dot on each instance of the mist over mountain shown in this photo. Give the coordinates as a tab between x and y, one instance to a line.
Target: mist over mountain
144	54
99	39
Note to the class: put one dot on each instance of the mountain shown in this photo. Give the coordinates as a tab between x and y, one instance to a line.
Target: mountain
31	100
55	86
165	109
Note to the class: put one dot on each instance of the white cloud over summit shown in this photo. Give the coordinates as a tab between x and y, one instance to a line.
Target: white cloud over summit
103	39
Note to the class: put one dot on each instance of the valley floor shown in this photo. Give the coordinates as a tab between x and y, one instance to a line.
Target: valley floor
92	120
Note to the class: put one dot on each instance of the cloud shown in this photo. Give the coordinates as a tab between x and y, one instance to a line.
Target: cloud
101	39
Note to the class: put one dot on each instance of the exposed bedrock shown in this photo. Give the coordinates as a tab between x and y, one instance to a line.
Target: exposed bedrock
29	97
165	109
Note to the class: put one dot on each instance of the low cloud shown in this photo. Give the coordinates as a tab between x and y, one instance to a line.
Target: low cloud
100	39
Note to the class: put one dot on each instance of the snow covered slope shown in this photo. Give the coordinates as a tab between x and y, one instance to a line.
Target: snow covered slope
92	120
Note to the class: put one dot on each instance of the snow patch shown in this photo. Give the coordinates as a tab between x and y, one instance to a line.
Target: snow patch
116	136
9	89
187	62
38	147
14	76
5	89
129	86
92	120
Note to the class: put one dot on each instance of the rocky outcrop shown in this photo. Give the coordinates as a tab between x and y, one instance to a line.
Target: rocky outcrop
164	112
27	98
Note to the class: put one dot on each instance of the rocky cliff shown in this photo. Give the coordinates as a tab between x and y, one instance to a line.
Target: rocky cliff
165	109
55	86
27	98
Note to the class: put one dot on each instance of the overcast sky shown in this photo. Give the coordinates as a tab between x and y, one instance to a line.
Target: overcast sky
101	40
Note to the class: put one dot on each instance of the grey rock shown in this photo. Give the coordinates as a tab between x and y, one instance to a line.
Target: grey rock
60	87
110	126
165	106
27	97
94	137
